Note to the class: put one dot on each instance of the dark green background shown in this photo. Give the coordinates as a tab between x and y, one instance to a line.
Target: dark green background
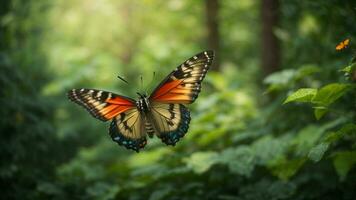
243	142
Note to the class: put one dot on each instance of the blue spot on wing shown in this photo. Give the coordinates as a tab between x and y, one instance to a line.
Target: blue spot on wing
129	143
172	137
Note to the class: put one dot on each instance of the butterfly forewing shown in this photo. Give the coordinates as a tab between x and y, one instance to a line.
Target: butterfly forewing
101	104
184	83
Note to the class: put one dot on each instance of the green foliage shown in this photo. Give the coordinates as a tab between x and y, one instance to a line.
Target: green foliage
318	151
242	143
28	146
330	93
322	98
302	95
200	162
343	162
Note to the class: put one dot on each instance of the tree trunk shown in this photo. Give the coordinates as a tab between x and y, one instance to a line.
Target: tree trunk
212	9
270	46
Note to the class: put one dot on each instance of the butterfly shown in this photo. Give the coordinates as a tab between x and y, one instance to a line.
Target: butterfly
163	113
342	45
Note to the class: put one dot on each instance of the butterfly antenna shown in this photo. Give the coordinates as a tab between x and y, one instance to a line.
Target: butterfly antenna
141	82
153	78
122	79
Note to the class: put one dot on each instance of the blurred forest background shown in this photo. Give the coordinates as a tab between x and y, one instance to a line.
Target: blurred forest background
275	119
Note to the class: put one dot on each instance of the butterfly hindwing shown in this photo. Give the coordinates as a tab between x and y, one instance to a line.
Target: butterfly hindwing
128	129
101	104
183	85
171	121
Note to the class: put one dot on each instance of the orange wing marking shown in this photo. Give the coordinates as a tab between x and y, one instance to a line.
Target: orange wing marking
166	88
118	105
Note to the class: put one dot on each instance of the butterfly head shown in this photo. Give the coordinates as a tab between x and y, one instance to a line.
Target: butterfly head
142	103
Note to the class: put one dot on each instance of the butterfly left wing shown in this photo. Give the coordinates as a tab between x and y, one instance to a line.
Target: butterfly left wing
127	129
101	104
127	126
183	85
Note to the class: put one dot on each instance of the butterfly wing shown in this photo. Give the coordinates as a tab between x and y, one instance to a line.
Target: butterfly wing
127	129
347	42
101	104
168	114
183	85
171	121
340	46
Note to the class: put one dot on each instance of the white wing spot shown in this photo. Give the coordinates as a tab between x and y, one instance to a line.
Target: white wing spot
82	90
99	94
195	57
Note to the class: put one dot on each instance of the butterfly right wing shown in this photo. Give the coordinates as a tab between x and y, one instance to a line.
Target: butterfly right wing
183	85
171	121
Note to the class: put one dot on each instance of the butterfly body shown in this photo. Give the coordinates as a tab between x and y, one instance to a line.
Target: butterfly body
163	113
142	103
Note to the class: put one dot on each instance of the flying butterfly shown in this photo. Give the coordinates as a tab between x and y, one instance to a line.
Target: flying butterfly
162	113
342	45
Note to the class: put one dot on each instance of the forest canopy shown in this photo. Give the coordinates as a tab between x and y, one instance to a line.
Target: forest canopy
275	119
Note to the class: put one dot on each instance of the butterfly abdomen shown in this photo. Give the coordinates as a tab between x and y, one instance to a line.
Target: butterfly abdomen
149	128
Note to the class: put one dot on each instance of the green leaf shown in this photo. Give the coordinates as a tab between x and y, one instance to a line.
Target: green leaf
266	189
201	162
319	112
317	152
330	93
240	160
335	136
347	69
161	193
350	70
301	95
307	70
343	162
280	78
102	191
268	148
284	169
306	139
